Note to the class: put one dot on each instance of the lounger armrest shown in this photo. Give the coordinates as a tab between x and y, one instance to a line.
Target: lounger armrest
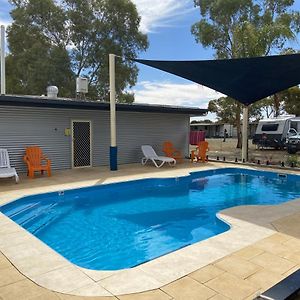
44	157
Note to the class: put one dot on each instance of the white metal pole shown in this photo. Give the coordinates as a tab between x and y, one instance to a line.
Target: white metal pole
245	134
2	59
112	85
112	97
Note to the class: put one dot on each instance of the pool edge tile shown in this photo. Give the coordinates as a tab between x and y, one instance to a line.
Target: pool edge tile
238	229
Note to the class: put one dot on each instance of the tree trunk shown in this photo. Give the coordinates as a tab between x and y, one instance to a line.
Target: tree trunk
276	105
238	126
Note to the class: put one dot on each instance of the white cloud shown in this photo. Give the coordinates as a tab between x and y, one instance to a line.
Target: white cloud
154	14
161	13
5	22
167	93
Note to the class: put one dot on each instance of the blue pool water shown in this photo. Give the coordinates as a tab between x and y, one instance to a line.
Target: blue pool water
116	226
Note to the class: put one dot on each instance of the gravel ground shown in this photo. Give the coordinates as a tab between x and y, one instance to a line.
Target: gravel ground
228	149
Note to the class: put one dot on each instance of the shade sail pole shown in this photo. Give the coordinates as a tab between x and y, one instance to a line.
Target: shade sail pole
113	152
245	134
2	48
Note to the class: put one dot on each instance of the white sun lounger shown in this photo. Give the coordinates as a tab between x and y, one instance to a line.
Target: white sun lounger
5	168
150	154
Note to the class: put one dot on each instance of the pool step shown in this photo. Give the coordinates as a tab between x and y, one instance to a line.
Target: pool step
16	212
32	216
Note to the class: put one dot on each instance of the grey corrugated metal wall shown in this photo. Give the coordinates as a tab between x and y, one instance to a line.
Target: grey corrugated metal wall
25	126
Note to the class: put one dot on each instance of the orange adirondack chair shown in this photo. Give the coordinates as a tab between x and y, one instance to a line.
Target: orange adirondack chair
170	151
34	158
200	152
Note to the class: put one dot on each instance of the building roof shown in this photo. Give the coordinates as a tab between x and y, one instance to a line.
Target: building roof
41	101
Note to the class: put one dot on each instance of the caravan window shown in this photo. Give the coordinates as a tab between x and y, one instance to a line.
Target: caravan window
295	125
269	127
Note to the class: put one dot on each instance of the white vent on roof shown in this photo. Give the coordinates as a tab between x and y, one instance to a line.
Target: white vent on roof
52	91
81	85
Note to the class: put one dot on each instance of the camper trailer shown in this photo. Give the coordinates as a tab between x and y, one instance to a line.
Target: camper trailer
274	132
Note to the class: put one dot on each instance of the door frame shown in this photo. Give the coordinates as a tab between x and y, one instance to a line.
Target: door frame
72	143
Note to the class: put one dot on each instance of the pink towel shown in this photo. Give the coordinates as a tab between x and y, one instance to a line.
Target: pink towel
196	137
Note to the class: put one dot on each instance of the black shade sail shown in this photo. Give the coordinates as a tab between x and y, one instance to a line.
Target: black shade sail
246	79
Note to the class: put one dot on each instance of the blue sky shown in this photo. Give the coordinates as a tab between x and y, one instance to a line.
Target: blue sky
167	24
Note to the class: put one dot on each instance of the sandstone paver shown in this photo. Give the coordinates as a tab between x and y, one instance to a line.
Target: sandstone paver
248	252
218	297
10	275
232	287
274	263
151	295
4	262
237	266
21	290
264	279
188	288
71	297
207	273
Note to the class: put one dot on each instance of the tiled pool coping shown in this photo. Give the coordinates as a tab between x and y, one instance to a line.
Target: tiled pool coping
48	269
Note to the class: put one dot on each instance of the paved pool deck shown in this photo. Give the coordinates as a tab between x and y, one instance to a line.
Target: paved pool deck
262	248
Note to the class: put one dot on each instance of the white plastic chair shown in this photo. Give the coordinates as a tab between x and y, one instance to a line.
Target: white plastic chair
5	168
150	154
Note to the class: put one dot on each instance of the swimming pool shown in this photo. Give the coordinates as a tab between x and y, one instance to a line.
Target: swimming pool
121	225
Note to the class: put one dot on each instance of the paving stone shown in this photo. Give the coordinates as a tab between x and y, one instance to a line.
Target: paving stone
232	287
294	257
4	262
292	270
264	279
188	288
207	273
248	252
273	263
10	275
21	290
71	297
64	279
237	266
293	244
46	295
151	295
271	246
278	237
218	297
290	224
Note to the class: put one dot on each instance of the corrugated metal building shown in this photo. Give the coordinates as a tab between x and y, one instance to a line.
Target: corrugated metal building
69	130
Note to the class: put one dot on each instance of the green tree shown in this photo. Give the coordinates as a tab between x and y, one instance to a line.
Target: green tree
34	62
245	28
291	99
227	111
53	42
288	101
269	107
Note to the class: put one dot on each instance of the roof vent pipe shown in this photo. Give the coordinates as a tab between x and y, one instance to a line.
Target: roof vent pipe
2	58
52	91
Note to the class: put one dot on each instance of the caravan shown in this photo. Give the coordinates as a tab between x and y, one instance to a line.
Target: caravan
274	132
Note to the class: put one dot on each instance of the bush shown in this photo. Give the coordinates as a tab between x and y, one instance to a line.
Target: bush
293	161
